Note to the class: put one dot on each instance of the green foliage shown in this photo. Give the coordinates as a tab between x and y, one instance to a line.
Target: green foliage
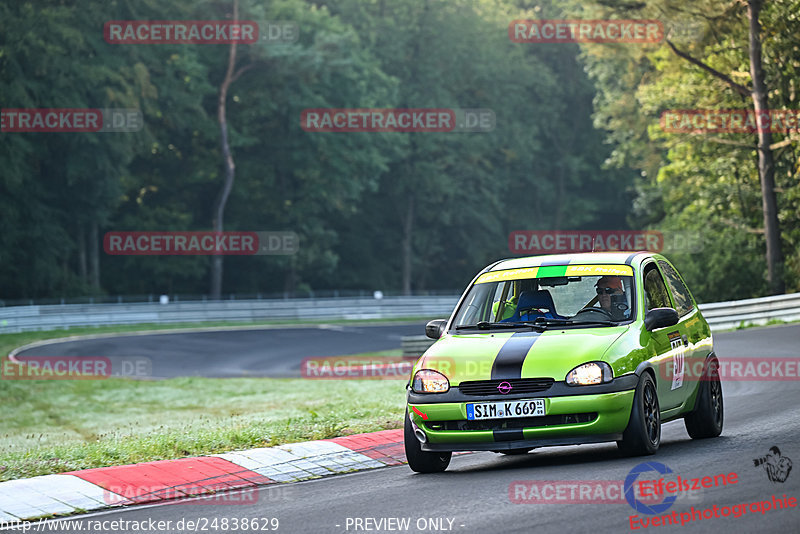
707	183
576	143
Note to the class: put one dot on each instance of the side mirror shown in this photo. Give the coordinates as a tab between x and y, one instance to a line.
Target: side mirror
435	328
660	318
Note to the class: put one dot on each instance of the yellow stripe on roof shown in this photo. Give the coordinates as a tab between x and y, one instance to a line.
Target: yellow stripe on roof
571	270
511	274
607	270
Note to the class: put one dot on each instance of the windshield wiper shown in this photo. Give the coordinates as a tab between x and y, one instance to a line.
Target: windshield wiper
485	325
551	322
570	322
595	321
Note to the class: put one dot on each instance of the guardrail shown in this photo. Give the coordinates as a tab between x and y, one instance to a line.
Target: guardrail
189	297
734	313
720	316
27	318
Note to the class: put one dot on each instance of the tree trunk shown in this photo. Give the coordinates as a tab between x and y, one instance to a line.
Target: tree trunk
766	166
94	258
408	220
82	253
558	216
290	279
230	167
408	232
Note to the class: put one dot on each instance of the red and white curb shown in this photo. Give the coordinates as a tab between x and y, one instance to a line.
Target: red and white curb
95	489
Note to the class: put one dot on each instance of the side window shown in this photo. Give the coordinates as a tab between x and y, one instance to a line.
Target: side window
503	308
477	306
683	299
655	291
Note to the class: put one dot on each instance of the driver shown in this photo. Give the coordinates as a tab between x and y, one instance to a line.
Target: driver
611	295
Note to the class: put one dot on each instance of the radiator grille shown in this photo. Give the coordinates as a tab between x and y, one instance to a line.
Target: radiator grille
518	385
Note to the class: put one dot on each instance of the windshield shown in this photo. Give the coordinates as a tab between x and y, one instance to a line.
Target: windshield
504	298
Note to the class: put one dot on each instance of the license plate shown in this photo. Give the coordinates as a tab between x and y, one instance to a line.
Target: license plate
505	410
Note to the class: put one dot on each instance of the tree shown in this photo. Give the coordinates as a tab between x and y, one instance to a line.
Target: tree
231	75
766	166
703	182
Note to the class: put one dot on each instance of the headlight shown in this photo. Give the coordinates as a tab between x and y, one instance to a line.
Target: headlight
590	373
428	381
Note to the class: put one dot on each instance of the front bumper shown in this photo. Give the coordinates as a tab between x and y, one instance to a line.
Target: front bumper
574	419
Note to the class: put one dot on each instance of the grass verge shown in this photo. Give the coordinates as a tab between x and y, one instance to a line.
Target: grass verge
53	426
57	426
772	322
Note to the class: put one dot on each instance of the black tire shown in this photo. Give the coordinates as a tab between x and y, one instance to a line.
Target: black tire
419	460
643	435
706	420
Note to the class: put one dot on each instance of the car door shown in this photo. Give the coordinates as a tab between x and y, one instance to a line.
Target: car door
668	343
694	332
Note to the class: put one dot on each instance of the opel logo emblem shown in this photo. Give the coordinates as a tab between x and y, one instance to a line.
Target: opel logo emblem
503	387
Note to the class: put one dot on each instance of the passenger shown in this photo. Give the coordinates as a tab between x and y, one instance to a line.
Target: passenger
510	307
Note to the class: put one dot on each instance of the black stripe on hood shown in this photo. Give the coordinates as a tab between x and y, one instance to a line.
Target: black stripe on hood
508	363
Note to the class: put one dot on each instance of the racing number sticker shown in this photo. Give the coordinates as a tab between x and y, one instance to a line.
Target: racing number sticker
678	351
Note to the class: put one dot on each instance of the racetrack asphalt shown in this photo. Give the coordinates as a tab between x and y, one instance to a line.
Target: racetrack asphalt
474	492
273	352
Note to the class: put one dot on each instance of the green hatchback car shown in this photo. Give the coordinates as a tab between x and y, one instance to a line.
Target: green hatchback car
564	350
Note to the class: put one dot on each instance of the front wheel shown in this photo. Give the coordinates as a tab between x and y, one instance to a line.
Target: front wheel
419	460
705	421
643	435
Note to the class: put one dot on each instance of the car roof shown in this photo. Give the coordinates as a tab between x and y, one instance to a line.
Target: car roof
634	259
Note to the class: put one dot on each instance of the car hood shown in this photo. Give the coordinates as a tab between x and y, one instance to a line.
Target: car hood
504	355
